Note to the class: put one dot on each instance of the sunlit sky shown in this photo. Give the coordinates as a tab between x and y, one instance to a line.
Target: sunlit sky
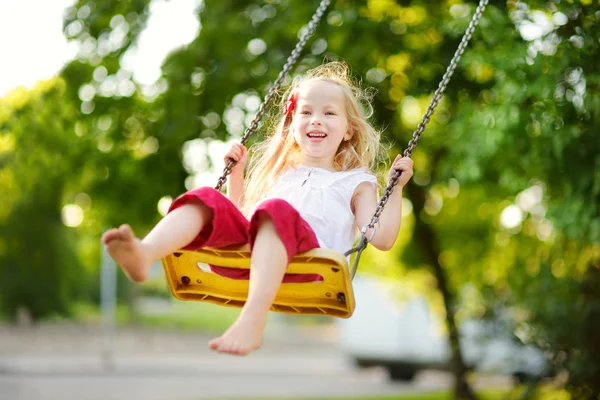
33	46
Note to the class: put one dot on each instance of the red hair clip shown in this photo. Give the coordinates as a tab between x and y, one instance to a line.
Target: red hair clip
290	105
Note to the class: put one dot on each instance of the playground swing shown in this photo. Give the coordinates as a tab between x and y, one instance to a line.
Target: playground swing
187	272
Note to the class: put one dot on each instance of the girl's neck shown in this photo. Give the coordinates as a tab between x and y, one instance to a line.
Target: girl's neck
317	163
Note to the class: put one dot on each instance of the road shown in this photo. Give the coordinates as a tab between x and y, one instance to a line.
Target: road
259	376
54	362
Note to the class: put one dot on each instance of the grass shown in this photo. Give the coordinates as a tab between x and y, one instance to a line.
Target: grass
435	395
189	316
179	315
544	392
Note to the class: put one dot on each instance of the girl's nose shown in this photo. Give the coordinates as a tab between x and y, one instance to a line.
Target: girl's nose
315	121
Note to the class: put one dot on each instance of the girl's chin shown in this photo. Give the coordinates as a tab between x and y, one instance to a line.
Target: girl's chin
318	155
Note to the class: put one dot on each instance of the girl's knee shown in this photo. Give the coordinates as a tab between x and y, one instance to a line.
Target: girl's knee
272	209
275	207
202	200
262	217
205	191
206	211
196	207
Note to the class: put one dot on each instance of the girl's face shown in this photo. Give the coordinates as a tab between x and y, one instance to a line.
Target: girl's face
320	123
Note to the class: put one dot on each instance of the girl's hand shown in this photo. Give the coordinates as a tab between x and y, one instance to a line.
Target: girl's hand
404	164
238	153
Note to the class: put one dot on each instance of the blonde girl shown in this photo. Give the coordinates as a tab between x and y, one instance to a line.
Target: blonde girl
309	185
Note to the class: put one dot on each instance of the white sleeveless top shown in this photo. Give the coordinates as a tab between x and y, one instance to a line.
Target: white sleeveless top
323	200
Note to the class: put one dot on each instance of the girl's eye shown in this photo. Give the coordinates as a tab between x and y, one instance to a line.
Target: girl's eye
305	112
330	113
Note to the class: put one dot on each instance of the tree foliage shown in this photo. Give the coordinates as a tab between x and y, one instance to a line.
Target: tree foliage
39	265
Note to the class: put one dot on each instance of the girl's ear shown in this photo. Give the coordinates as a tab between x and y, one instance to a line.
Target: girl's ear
348	136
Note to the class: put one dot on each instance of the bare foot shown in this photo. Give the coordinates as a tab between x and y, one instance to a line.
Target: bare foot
128	252
243	337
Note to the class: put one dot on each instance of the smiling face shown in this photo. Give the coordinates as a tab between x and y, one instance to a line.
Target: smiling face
320	122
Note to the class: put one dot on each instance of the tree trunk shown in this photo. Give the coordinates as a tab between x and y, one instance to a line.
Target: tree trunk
429	244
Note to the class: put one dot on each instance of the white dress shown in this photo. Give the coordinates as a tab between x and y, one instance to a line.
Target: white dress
323	200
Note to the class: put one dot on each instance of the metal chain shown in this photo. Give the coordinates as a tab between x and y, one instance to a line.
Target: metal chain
417	134
291	61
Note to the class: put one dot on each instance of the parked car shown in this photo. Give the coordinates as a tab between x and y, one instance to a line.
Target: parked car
405	336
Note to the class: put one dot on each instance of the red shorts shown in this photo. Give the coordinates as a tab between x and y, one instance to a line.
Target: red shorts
229	227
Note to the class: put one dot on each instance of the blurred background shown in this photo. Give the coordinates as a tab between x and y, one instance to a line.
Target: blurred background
110	109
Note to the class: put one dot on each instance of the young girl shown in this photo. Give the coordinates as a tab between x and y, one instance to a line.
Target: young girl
309	185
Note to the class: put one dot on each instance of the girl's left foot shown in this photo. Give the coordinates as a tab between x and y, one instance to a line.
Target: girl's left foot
128	251
243	337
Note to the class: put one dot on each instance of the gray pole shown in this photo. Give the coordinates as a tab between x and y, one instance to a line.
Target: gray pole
108	301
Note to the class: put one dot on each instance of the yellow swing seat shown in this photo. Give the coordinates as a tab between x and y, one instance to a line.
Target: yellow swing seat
190	278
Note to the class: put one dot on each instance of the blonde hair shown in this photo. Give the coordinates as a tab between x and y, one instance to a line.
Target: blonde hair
279	150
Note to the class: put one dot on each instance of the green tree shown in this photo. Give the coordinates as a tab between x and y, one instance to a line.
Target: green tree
39	268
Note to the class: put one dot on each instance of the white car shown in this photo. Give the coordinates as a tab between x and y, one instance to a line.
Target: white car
404	336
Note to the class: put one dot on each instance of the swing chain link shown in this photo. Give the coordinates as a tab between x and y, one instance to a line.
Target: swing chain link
445	79
360	247
291	61
421	127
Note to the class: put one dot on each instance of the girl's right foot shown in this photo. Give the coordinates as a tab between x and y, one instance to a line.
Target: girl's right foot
128	251
243	337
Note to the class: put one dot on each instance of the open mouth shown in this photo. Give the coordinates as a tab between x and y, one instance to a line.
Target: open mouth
316	135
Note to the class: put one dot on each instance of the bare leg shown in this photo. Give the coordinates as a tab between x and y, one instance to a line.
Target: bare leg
174	231
268	265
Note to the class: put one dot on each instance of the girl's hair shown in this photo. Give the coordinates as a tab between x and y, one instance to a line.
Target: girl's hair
279	150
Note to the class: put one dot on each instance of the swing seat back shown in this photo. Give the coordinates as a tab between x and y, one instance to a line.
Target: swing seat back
190	278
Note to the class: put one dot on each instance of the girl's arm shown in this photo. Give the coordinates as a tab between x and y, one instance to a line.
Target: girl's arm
365	203
235	189
235	181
